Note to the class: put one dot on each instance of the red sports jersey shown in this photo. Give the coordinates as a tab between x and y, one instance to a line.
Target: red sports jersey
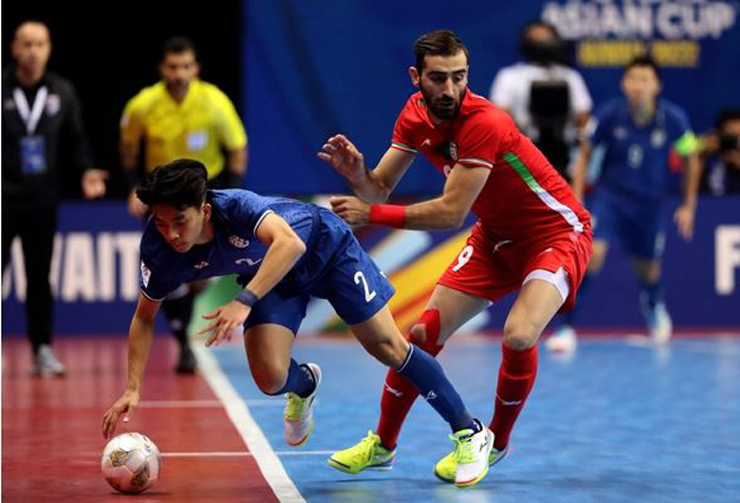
524	195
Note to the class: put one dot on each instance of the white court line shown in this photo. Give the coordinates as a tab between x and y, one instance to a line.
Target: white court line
270	466
265	403
240	454
180	404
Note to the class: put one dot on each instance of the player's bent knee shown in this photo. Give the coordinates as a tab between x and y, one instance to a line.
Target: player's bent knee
270	382
520	335
427	331
388	353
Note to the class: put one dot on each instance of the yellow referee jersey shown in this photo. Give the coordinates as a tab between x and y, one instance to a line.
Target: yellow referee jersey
198	128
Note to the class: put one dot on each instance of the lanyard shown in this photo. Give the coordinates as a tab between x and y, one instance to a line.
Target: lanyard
31	116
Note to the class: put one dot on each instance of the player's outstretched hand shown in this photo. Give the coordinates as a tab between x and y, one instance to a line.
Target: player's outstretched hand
136	208
344	157
93	183
225	319
350	209
126	405
684	218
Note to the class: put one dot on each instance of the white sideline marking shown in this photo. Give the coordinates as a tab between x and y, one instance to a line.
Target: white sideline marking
240	454
268	462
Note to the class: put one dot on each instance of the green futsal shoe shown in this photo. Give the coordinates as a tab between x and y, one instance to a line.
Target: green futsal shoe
369	454
446	468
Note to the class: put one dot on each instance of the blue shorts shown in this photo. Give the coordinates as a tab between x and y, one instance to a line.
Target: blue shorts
639	226
335	268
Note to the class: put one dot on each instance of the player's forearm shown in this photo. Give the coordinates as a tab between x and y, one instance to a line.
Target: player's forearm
691	184
140	338
282	254
129	163
370	188
579	171
436	214
236	161
129	156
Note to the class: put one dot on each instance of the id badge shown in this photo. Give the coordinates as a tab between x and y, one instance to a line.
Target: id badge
33	155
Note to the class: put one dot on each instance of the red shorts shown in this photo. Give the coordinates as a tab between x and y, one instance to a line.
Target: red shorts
492	268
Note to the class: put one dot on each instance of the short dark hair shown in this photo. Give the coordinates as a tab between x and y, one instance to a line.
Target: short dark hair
538	24
438	43
180	183
178	45
727	115
643	62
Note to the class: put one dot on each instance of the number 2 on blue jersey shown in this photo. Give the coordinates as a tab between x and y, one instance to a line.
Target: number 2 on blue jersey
360	277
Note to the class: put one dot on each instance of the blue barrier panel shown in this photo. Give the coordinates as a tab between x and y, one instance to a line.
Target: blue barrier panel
95	274
95	271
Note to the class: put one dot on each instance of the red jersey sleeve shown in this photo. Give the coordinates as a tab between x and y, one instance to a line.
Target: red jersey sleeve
402	131
483	138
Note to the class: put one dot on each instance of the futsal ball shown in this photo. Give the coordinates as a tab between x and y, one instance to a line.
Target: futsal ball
131	463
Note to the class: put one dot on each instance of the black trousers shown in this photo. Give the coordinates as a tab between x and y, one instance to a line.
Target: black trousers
36	227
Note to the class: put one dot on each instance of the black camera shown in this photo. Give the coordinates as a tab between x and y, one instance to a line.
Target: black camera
729	142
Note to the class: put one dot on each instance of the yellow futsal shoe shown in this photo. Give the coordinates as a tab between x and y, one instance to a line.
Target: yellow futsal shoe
369	454
446	468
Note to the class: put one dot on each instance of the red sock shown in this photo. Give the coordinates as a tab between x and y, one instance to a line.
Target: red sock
399	393
516	377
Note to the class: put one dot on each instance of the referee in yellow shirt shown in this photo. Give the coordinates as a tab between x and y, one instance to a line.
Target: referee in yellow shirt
182	116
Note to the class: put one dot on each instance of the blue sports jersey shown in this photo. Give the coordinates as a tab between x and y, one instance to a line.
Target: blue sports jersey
234	250
635	161
334	267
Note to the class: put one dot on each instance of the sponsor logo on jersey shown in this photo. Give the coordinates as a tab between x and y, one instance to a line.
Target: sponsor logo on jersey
247	261
238	242
499	244
201	265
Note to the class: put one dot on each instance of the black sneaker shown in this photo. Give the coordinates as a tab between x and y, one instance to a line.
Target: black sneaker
187	362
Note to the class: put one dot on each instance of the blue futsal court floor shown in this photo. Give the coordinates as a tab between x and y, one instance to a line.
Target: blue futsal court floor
621	421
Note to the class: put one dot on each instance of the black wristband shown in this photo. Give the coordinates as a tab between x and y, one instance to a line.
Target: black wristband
247	297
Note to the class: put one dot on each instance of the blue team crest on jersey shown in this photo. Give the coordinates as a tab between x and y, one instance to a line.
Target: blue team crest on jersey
238	242
620	132
657	139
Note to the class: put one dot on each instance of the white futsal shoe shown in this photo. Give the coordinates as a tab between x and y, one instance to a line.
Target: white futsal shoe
564	340
659	324
46	363
298	414
471	453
